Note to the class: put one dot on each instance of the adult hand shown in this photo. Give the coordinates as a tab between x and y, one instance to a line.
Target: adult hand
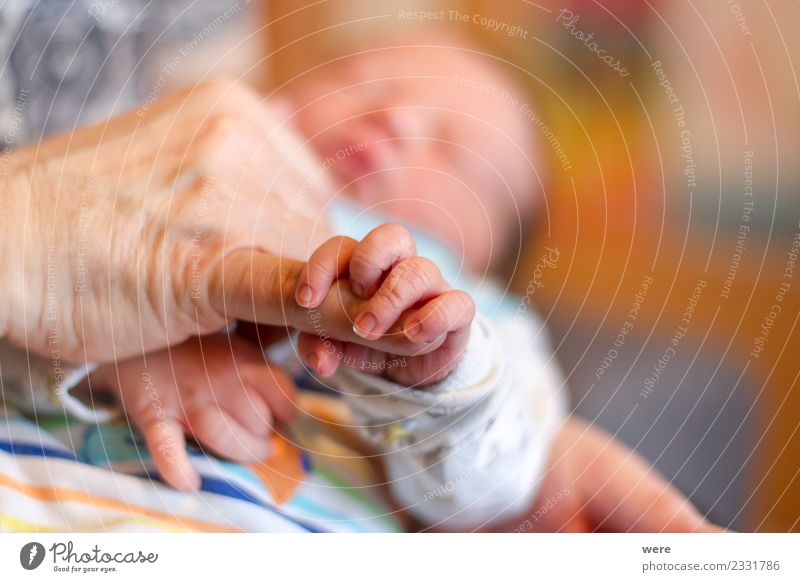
162	224
110	235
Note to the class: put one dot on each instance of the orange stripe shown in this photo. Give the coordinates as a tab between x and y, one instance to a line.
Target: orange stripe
46	493
283	472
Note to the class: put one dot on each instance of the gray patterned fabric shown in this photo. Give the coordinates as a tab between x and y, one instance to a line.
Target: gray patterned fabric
68	63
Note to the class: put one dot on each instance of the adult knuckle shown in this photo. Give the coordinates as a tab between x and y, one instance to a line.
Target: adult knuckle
225	92
216	131
206	191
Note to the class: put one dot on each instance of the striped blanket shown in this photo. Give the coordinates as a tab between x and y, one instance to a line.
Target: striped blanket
60	475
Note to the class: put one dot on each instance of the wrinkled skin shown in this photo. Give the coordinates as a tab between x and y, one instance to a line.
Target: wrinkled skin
159	225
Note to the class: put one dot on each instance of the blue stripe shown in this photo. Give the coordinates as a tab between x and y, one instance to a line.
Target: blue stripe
309	506
309	383
36	451
228	489
208	484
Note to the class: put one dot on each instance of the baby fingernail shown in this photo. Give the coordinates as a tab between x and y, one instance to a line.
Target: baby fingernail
412	330
358	288
364	325
326	369
305	295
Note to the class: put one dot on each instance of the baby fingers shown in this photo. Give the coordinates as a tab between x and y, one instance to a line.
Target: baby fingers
225	436
410	281
275	387
321	355
167	445
325	265
246	406
377	253
448	312
325	357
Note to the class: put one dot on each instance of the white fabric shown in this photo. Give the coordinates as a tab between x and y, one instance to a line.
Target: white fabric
468	451
23	375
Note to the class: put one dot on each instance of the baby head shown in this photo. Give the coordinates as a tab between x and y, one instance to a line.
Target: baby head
433	133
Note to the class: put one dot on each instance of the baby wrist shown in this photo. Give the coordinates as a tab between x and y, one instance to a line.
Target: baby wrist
389	414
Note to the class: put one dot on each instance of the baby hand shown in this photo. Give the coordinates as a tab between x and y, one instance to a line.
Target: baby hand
401	294
219	389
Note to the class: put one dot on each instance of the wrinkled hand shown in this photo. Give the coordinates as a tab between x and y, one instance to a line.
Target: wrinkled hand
110	236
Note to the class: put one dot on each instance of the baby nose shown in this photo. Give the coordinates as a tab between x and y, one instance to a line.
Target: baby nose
406	122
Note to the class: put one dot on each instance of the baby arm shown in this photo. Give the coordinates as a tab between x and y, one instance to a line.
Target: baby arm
469	451
463	448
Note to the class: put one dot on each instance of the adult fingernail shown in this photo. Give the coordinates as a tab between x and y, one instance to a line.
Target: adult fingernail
313	361
358	288
305	296
412	330
364	325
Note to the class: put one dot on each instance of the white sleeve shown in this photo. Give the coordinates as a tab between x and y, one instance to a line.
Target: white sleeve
468	451
40	385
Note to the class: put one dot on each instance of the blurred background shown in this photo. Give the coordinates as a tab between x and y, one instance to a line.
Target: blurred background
672	195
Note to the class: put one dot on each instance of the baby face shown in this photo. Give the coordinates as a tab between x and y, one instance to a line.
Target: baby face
428	135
